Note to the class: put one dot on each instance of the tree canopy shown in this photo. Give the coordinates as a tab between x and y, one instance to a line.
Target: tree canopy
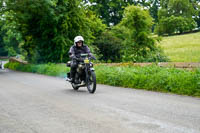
176	16
115	30
138	22
111	12
49	26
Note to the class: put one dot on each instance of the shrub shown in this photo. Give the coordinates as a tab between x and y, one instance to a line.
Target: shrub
109	46
172	24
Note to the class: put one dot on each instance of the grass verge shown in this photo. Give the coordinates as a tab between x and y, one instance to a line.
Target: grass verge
50	69
154	78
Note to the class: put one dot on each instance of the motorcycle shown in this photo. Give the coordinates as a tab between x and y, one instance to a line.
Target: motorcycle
85	74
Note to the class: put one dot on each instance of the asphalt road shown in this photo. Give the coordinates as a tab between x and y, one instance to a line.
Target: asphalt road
32	103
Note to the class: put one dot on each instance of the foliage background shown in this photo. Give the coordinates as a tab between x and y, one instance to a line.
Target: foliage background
42	31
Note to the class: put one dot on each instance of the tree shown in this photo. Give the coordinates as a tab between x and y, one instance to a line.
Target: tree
112	11
9	37
48	27
3	51
109	11
164	3
176	16
196	6
138	22
109	46
155	4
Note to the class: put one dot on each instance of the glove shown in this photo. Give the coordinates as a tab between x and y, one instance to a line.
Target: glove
73	57
92	57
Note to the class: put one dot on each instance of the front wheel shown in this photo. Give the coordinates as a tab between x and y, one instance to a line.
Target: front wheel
91	85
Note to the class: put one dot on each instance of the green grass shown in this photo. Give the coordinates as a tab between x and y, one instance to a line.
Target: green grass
182	48
50	69
154	78
3	59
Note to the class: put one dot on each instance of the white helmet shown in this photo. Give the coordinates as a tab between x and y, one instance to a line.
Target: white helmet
77	39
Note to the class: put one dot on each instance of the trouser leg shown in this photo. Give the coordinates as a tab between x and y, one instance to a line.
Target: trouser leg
73	70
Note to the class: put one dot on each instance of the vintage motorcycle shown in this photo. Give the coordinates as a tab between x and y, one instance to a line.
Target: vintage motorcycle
85	74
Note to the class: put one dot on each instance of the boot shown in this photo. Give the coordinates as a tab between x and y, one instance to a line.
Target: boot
68	77
72	76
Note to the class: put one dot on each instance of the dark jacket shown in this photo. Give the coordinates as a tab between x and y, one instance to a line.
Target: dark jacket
75	52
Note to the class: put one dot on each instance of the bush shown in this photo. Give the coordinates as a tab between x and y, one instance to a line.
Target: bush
172	24
109	46
135	33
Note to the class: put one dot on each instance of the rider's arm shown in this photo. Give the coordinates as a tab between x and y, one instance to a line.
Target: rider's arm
89	52
72	53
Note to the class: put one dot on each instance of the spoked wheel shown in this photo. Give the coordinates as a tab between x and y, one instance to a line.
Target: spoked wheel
91	85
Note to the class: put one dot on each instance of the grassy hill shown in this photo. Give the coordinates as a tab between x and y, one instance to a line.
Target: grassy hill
182	48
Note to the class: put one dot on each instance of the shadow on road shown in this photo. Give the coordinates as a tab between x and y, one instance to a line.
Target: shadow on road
72	91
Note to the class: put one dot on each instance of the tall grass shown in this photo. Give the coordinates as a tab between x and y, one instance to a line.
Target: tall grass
182	48
179	81
154	78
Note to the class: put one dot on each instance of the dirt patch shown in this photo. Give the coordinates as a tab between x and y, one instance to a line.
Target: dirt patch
17	60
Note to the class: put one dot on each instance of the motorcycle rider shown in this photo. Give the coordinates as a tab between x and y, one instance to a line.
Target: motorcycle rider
75	55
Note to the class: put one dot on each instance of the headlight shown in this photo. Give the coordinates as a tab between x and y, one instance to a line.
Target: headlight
80	66
91	65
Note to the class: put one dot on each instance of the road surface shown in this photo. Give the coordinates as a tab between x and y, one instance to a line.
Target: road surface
32	103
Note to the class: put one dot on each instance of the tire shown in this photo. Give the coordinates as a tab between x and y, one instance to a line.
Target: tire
91	85
75	87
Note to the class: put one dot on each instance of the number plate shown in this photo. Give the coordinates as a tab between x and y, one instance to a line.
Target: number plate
86	61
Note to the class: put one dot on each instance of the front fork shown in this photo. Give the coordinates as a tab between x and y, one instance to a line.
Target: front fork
87	74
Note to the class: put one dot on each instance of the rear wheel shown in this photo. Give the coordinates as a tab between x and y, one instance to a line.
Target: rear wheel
91	85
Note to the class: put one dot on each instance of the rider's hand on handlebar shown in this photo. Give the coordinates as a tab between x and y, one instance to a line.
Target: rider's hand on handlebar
77	59
92	57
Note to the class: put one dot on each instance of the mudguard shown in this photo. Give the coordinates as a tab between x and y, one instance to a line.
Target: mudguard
92	69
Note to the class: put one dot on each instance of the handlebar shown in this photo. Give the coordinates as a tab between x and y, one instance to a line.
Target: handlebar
87	55
83	55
